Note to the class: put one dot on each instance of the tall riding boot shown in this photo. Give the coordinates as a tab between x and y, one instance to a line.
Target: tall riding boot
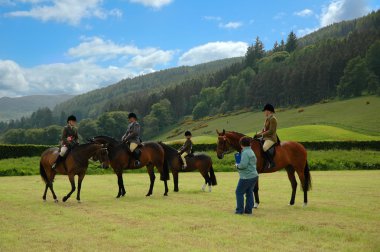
269	154
136	156
57	161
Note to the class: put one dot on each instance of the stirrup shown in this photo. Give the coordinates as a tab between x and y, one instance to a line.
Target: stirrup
54	166
137	163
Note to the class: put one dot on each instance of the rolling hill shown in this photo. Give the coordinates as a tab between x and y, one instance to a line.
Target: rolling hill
15	108
353	119
93	103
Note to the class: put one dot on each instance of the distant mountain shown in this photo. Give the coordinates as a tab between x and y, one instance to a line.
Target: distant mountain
15	108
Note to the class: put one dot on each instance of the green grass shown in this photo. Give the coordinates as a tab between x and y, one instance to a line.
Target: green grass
348	117
342	215
318	160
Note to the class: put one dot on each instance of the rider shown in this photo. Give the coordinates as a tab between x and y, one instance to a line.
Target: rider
68	140
269	134
186	149
132	136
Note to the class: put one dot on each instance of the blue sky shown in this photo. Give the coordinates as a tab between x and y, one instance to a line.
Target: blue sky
69	46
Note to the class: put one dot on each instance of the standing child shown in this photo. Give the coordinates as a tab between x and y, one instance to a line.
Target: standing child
186	149
248	177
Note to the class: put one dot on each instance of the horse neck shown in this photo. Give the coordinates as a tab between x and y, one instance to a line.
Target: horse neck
108	140
233	139
85	151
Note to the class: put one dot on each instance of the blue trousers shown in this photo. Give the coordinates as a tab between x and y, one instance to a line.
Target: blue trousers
245	186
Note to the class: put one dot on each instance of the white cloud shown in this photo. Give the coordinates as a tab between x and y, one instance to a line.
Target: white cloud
339	10
230	25
336	11
157	4
212	18
213	51
97	49
304	13
303	32
74	78
66	11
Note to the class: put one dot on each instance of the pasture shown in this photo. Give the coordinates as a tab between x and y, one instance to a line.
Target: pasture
343	215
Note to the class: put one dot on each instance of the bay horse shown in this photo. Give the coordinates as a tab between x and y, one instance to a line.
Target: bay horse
199	161
75	163
120	158
289	155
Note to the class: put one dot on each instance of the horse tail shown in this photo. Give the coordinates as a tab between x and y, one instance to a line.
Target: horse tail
212	176
43	174
307	177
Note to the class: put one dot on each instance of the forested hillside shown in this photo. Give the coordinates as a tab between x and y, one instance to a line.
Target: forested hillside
97	101
342	60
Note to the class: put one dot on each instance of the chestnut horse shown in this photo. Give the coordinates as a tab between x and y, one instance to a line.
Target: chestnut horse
76	163
120	158
200	162
289	155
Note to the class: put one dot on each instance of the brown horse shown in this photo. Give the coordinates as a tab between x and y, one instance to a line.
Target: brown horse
200	162
289	155
120	158
76	163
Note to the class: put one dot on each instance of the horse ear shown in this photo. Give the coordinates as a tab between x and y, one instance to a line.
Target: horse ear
217	132
224	131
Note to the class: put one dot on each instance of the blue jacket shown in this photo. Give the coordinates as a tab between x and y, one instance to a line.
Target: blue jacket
247	166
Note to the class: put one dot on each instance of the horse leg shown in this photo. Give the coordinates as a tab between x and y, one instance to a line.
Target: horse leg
207	179
72	182
50	185
166	188
80	179
256	193
152	179
46	188
302	178
175	179
123	192
119	183
290	170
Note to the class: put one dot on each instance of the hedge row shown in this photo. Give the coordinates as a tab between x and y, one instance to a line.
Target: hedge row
15	151
25	150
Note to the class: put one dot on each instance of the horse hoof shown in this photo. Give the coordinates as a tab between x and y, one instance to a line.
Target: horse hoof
55	201
291	204
148	195
256	205
64	199
304	205
209	189
165	194
176	190
204	187
79	201
44	200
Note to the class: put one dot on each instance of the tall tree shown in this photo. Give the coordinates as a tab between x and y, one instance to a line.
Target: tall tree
291	42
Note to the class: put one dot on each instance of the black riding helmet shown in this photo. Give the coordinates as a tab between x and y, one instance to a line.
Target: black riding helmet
269	107
132	115
71	118
187	133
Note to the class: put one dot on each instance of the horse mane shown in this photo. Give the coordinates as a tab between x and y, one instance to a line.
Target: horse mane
168	149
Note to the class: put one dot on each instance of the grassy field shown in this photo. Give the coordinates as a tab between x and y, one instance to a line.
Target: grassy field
318	160
348	117
342	215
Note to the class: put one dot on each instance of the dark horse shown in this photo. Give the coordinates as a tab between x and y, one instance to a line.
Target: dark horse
289	155
76	163
199	161
120	158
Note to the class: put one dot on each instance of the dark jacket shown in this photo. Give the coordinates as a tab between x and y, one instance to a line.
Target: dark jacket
186	147
133	133
69	131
